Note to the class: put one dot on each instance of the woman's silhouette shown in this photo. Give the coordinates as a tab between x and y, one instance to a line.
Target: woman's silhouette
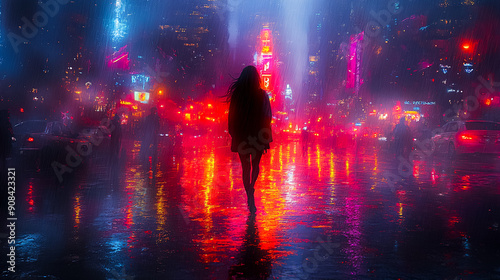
249	124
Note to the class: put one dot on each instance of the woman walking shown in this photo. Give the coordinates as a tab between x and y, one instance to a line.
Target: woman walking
249	124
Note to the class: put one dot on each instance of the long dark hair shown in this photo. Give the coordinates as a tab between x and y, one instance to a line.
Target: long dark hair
247	83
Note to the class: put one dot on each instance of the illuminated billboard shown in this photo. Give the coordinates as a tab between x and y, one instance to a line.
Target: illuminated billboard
141	96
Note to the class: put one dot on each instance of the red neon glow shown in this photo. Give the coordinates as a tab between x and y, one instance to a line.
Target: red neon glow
119	59
29	199
31	139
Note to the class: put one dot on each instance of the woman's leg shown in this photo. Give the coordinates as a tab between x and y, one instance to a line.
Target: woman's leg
255	174
245	166
255	168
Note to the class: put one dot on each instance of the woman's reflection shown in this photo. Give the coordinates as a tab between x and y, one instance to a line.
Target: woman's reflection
254	263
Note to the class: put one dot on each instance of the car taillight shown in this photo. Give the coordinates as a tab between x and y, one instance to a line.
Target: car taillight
30	139
466	137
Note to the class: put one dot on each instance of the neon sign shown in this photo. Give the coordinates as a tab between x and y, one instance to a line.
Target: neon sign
267	66
265	59
140	81
420	103
267	81
142	97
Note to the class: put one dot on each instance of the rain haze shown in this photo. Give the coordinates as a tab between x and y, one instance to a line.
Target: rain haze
264	139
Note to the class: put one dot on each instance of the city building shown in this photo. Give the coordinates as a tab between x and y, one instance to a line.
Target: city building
193	34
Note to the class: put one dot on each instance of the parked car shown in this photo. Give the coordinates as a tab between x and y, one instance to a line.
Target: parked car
52	144
24	128
464	137
100	136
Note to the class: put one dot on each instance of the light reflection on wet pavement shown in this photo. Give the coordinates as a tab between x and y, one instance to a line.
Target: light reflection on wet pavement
323	213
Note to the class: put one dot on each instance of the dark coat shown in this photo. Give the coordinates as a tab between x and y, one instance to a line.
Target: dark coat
402	138
249	122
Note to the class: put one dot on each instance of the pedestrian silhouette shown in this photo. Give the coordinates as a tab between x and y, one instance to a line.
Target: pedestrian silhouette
402	138
116	138
150	130
115	150
249	124
304	138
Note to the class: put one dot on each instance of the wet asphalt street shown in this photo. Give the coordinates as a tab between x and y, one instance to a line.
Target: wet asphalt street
323	213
